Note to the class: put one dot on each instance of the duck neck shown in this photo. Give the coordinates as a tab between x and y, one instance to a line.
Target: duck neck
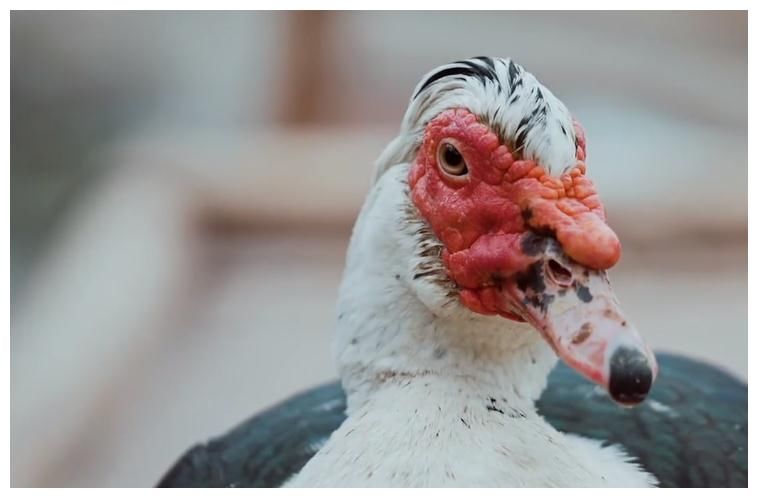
413	347
393	328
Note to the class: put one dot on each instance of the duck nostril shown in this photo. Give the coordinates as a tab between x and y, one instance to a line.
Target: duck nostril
559	273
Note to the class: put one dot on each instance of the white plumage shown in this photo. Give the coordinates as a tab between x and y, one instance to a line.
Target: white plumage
510	103
420	371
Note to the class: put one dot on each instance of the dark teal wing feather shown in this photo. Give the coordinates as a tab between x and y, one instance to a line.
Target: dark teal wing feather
692	431
267	449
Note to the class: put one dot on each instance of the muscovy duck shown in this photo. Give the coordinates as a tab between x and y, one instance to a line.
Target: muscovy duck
479	255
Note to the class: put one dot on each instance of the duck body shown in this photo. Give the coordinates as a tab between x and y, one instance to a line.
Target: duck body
688	434
423	432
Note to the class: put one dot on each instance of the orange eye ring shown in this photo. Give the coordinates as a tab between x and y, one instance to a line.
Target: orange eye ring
451	161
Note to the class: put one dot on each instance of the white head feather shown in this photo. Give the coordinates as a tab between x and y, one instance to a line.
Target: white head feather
505	96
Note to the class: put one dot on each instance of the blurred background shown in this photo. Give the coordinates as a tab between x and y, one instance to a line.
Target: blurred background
184	185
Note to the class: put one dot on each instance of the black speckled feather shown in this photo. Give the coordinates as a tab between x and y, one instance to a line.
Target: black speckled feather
692	431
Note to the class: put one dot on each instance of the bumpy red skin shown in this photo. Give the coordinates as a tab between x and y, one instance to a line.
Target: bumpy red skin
482	219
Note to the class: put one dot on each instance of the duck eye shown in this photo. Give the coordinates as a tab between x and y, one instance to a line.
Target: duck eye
450	160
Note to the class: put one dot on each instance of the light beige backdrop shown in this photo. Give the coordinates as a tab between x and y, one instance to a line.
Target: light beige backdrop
183	187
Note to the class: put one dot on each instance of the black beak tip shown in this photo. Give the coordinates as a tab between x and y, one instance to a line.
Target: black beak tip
631	376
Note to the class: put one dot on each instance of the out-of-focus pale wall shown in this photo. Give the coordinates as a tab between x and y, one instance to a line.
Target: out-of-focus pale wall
183	186
663	82
82	80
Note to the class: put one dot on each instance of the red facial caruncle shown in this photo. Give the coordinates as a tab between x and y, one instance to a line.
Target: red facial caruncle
526	245
482	217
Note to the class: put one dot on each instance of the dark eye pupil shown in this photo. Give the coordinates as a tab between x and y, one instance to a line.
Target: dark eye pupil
452	156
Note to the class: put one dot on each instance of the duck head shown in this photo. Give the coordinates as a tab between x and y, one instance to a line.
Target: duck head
512	227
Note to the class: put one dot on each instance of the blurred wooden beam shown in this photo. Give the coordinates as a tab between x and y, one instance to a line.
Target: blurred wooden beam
307	63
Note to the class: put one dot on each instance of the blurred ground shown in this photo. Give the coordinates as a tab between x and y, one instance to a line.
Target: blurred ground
183	188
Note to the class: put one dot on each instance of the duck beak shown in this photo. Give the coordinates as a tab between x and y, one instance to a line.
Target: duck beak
578	314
